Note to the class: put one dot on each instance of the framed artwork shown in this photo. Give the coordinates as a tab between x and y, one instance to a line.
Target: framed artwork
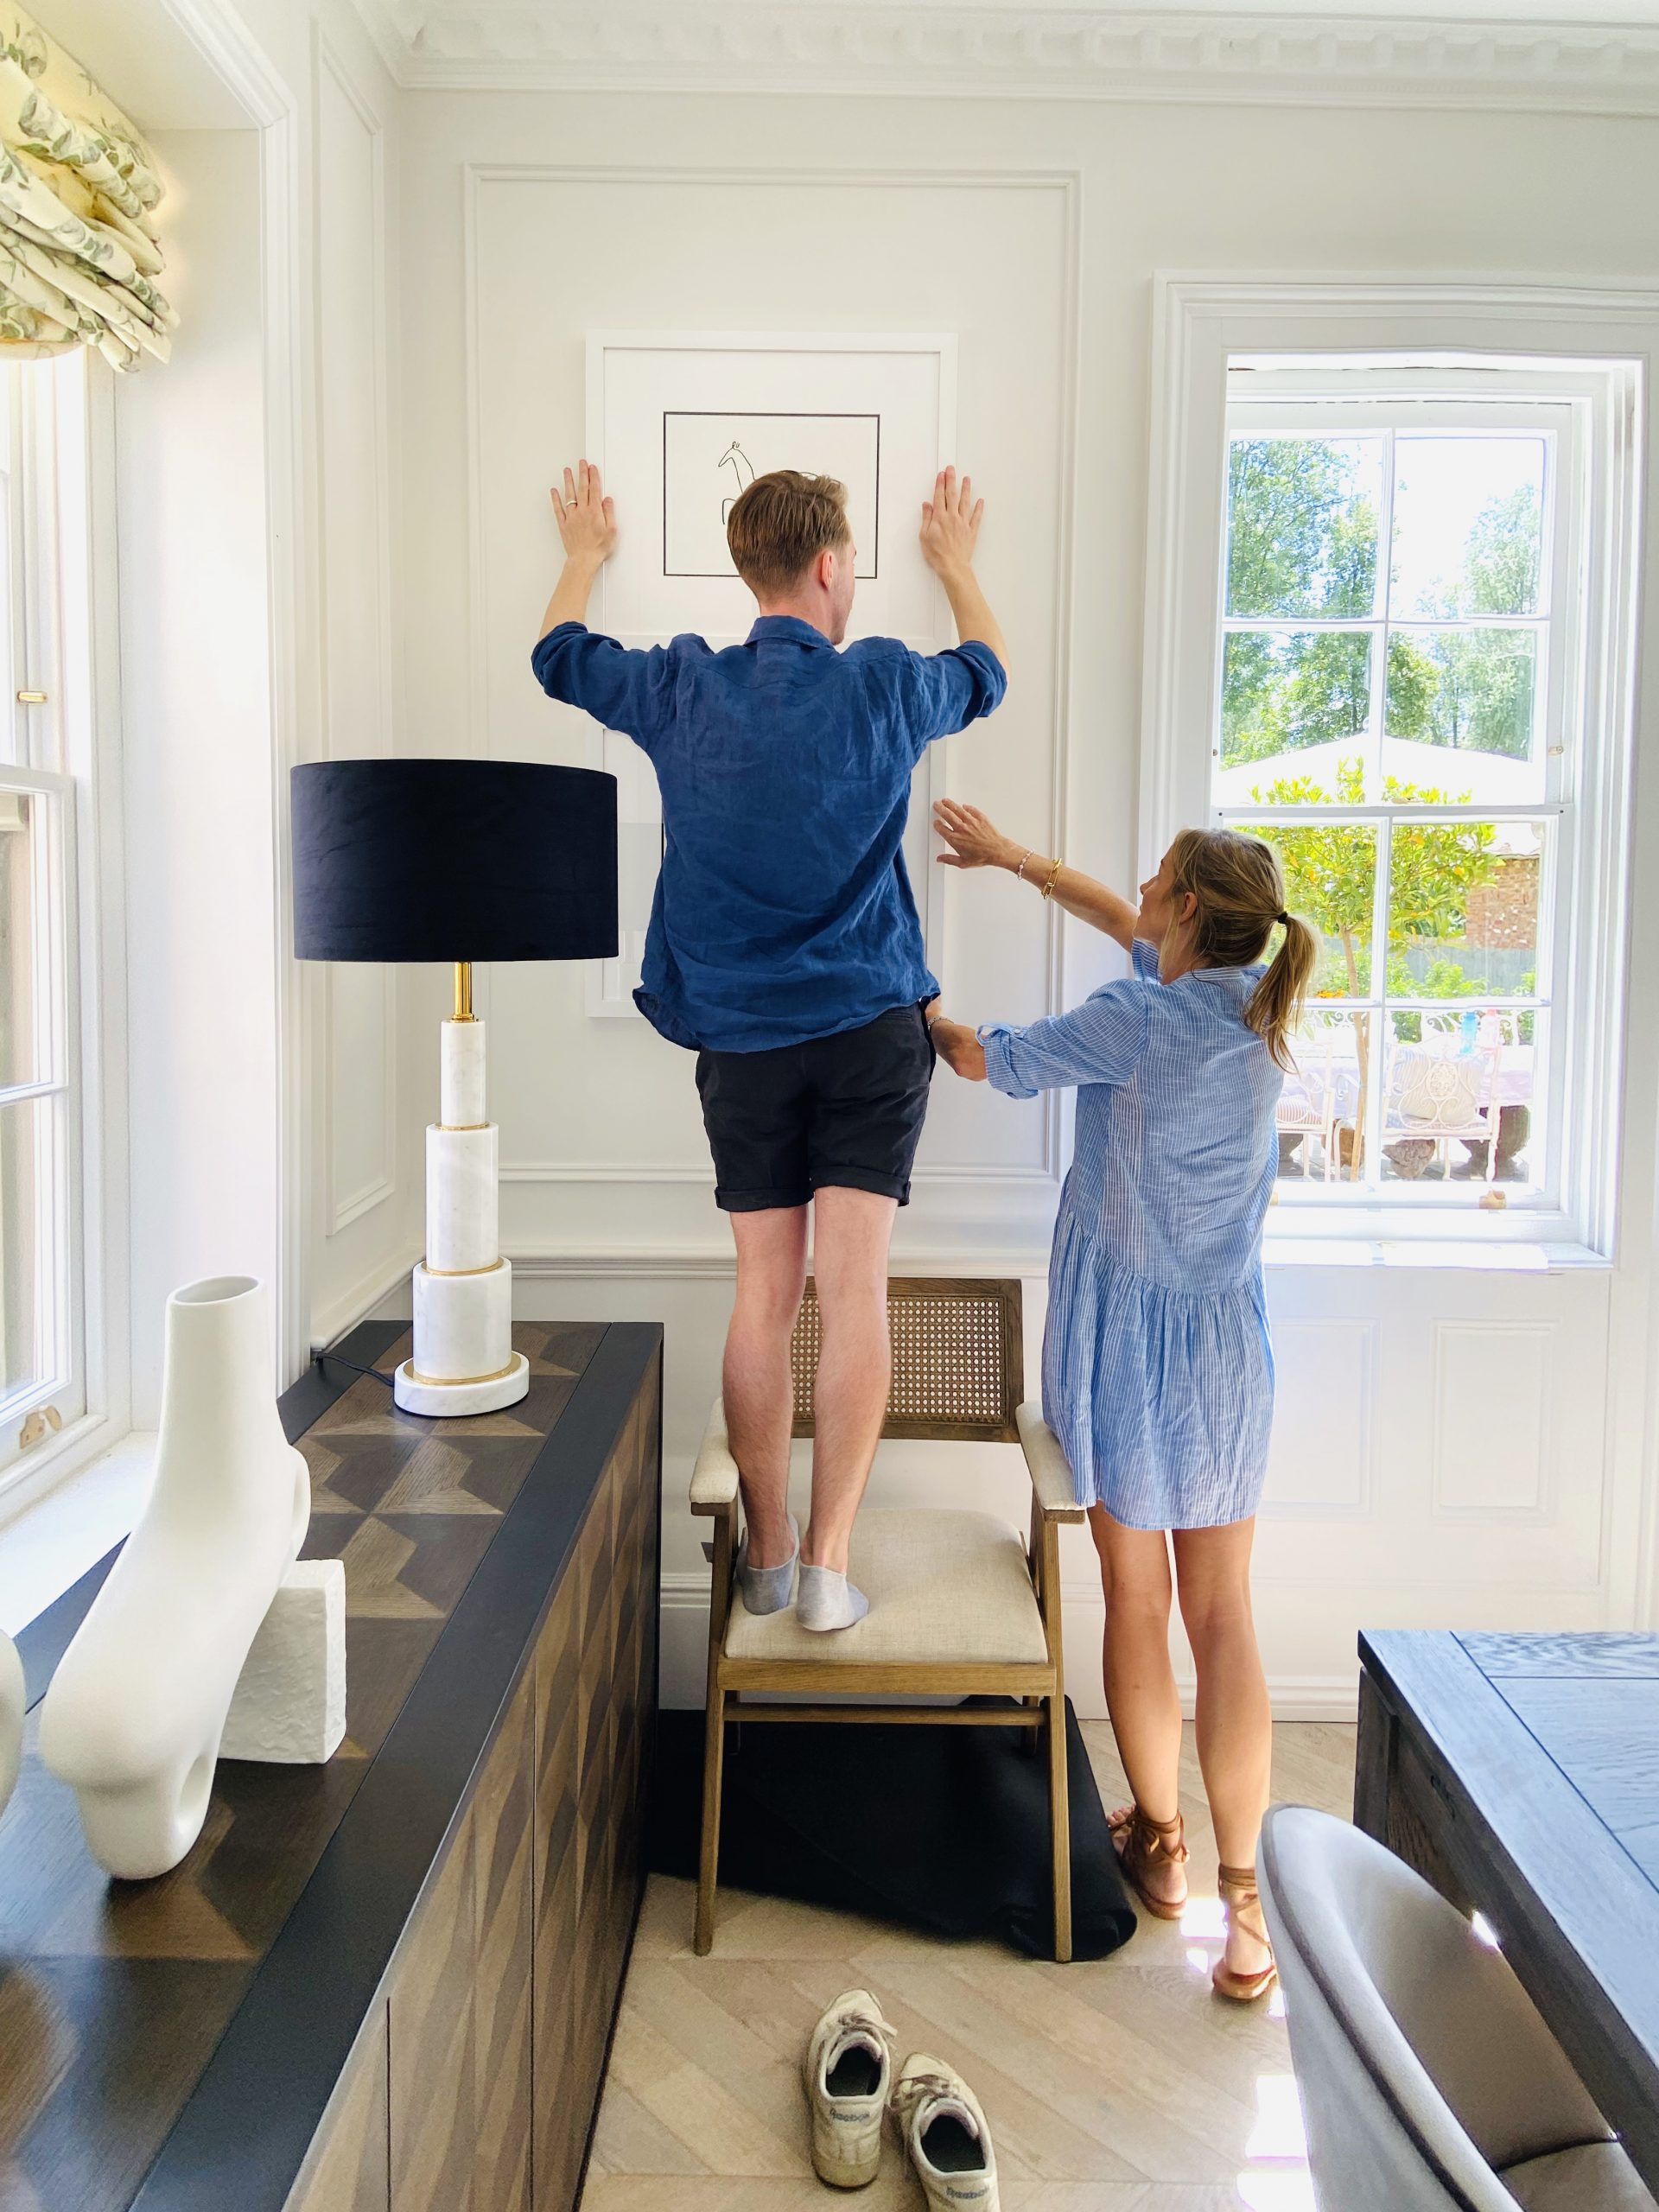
681	425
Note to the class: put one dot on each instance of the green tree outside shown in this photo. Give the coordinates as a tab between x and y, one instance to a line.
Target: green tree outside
1303	541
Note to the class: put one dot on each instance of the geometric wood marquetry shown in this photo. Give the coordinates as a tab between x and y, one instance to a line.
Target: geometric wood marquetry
471	2083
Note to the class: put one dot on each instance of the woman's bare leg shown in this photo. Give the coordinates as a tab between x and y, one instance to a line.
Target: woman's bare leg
1141	1693
1234	1719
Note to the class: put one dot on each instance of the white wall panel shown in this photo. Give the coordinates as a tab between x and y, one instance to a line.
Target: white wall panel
362	1219
1494	1440
1325	1432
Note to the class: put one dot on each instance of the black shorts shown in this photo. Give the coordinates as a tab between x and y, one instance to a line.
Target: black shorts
846	1111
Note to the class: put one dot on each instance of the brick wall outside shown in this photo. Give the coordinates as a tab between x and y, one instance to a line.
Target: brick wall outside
1505	911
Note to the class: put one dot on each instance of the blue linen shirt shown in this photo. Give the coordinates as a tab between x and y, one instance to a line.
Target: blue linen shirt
783	910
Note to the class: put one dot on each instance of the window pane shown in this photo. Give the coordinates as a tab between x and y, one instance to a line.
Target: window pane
16	941
20	1349
1467	525
1285	691
1330	870
1302	525
1469	692
1319	1107
1463	909
1453	1085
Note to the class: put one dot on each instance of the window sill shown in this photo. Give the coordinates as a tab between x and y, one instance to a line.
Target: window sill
52	1539
1506	1255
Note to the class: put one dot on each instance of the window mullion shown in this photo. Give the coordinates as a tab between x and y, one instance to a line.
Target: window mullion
1380	607
1377	1023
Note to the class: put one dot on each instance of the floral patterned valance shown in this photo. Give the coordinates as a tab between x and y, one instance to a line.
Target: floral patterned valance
79	256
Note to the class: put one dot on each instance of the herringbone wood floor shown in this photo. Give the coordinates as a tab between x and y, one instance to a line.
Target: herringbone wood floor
1120	2086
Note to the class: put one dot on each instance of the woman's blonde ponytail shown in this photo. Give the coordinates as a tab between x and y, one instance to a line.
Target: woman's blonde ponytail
1240	892
1275	1007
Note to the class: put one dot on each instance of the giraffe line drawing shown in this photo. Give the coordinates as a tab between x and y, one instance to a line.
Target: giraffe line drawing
737	461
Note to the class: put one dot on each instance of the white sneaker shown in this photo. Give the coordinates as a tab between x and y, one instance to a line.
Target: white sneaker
848	2078
945	2132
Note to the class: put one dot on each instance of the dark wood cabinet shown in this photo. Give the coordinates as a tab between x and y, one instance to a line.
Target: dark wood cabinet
424	2029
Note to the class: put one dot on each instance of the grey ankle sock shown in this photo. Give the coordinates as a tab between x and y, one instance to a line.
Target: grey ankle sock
768	1589
829	1600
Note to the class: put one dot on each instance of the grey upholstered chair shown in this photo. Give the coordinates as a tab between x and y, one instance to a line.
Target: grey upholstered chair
1429	2083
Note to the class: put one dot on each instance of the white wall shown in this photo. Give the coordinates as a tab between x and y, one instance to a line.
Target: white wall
195	681
274	1131
1033	229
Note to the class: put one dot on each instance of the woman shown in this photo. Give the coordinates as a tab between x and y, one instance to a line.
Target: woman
1157	1370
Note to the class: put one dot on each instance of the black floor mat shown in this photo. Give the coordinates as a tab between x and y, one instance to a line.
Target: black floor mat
943	1829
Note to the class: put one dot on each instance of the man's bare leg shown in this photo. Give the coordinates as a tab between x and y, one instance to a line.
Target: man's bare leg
851	1232
759	1396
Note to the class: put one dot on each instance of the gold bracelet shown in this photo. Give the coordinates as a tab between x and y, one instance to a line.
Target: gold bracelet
1053	877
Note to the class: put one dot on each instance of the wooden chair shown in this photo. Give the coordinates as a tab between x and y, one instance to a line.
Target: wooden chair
959	1605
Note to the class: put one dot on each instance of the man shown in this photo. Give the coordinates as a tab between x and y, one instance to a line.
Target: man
784	947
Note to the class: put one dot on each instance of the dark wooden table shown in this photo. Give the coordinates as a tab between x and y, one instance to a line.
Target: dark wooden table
174	2044
1520	1774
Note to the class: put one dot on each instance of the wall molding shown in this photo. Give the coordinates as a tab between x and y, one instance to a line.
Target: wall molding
896	46
1068	183
342	1207
714	1263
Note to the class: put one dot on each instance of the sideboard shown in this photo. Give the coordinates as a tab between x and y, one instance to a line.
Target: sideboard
385	1985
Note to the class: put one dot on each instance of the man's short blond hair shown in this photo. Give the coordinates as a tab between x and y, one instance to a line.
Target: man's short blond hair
779	527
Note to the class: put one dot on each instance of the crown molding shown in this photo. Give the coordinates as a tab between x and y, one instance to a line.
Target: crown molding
938	46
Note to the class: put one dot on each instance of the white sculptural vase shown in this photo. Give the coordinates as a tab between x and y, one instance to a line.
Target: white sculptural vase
463	1360
12	1706
134	1712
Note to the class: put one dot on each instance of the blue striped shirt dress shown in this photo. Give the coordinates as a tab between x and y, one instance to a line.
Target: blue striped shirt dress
1157	1366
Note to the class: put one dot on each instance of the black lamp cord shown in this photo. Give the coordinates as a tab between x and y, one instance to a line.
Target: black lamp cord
321	1359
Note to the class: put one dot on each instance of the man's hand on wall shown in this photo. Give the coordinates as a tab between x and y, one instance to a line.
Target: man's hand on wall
587	518
950	526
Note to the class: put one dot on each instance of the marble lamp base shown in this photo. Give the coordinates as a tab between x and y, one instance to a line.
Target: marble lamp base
463	1360
486	1393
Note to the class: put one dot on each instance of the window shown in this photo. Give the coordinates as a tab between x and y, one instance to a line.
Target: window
1399	710
42	1332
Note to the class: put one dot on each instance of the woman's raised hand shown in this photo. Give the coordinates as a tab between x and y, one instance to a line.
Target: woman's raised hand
974	838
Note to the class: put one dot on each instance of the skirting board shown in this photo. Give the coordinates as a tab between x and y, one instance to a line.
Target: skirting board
684	1647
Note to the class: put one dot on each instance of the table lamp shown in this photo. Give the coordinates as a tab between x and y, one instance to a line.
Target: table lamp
457	861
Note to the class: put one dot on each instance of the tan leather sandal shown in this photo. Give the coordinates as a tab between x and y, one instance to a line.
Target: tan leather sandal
1243	1901
1142	1844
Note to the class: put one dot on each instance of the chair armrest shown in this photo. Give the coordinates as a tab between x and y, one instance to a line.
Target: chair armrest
1051	1477
714	1479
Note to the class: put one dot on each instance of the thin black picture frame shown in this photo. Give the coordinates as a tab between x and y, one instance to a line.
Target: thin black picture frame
775	414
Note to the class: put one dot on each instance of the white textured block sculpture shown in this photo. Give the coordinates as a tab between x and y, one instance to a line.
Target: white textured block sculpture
289	1706
11	1717
134	1715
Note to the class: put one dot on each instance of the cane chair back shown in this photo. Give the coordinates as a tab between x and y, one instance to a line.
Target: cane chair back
958	1360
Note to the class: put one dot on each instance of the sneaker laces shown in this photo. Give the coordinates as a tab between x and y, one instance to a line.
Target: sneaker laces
853	2020
914	2090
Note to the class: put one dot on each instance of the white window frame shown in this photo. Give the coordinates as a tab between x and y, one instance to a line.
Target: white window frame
66	755
1586	353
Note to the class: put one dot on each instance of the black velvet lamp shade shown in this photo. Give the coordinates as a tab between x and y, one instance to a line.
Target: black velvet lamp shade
455	860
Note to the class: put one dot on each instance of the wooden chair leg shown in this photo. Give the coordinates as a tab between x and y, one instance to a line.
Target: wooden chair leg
1060	1815
714	1760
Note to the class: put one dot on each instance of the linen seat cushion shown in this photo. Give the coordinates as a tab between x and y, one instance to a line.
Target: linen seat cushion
1591	2177
946	1589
